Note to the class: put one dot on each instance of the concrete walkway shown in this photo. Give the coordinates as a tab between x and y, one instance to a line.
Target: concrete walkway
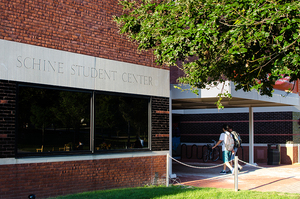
281	178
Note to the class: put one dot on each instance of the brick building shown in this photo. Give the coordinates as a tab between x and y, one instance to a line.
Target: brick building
81	109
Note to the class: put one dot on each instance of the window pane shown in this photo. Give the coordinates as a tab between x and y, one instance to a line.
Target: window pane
120	122
53	120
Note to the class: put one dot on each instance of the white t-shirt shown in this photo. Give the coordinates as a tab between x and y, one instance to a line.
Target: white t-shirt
223	138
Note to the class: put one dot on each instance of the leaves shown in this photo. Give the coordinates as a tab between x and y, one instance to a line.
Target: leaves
216	40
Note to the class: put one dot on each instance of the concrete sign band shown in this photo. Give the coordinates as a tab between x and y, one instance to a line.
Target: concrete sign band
34	64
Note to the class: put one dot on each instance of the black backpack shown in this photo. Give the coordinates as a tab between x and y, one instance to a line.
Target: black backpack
237	139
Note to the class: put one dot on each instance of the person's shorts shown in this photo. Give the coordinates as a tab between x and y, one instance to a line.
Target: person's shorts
226	156
232	155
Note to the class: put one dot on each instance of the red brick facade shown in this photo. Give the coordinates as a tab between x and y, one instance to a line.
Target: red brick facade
160	124
7	118
84	27
62	178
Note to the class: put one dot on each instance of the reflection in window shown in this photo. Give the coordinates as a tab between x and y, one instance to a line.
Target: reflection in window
57	121
120	122
53	120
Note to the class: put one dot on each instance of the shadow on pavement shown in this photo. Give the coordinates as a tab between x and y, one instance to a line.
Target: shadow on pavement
280	178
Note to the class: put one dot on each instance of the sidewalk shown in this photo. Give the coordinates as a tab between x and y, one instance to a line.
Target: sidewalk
280	178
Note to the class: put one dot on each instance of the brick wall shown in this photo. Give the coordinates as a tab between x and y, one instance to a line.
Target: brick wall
61	178
160	123
269	127
84	27
7	118
175	73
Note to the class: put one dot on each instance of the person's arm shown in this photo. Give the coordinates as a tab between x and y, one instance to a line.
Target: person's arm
219	142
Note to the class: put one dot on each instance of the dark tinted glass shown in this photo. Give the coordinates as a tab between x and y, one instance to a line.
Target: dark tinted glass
120	122
53	120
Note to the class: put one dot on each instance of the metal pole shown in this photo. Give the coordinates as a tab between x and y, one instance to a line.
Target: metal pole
92	122
236	171
251	136
298	153
167	174
170	133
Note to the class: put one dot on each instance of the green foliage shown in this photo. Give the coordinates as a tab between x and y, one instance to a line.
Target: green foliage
216	40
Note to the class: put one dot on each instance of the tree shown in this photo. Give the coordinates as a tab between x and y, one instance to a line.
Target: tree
252	43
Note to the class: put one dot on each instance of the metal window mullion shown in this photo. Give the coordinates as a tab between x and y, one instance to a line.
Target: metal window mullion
150	124
92	122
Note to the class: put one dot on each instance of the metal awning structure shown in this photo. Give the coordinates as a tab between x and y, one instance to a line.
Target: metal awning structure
182	100
208	103
240	99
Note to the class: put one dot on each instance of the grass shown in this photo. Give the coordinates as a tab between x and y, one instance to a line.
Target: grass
176	192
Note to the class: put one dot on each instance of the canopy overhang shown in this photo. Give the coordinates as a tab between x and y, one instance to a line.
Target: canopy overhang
206	99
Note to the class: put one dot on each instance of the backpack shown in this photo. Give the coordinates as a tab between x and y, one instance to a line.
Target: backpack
229	142
237	139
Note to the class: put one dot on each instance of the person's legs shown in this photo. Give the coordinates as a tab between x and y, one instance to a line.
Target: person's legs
232	159
227	158
224	165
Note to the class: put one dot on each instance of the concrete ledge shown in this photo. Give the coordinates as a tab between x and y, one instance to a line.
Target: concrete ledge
7	161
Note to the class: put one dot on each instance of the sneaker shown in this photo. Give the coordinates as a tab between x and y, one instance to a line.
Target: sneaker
232	171
228	171
223	172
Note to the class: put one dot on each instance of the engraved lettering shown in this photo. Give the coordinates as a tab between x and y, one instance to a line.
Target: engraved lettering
129	78
51	66
39	64
73	73
78	67
25	62
44	65
94	73
114	74
60	68
124	74
19	61
106	74
150	81
101	74
146	80
84	72
137	79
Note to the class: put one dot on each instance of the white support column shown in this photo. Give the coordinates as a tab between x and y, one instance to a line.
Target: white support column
167	173
236	173
170	133
298	153
251	136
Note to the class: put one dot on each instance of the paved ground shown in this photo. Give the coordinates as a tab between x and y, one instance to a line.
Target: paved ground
281	178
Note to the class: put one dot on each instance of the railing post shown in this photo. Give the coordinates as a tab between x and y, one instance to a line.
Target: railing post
168	164
298	153
236	171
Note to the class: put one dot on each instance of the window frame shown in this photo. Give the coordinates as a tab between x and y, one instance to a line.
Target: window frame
92	122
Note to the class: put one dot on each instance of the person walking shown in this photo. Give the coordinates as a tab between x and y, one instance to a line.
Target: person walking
227	148
237	144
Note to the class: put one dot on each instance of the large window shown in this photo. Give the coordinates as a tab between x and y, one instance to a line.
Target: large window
64	121
121	122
